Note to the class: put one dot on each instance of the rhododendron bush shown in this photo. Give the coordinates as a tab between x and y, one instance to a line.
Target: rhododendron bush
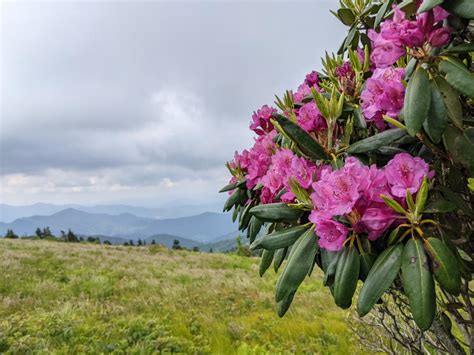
365	169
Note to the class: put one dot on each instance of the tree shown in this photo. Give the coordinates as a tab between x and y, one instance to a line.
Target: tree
39	233
195	248
131	243
211	250
106	242
71	237
47	233
10	234
139	243
176	245
153	242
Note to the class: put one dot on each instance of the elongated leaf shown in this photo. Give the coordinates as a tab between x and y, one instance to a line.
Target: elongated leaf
380	14
421	197
461	8
417	101
278	258
237	197
235	214
381	276
418	283
366	262
274	212
376	141
329	265
265	261
458	76
245	217
451	101
347	275
446	267
440	206
359	118
228	187
299	263
410	68
460	48
346	16
254	228
437	120
427	5
285	304
303	140
280	239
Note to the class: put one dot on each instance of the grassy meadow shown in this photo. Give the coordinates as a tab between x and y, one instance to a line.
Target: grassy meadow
84	298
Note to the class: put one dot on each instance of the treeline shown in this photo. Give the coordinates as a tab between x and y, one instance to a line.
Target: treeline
71	237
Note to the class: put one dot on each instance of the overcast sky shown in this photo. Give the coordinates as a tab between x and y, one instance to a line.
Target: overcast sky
143	102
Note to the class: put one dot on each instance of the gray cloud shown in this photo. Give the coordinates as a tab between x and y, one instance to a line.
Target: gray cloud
126	100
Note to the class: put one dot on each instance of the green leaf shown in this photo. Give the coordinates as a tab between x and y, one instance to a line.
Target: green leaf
409	200
275	212
427	5
380	14
461	8
245	217
417	101
445	265
464	148
285	304
421	197
440	206
235	214
418	283
254	228
346	16
299	263
279	257
437	120
279	239
366	262
329	265
228	187
380	278
376	141
359	119
236	198
303	140
347	275
457	75
265	261
394	205
460	48
451	101
410	68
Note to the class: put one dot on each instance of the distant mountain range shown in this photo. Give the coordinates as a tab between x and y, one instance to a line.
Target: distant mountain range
9	213
203	228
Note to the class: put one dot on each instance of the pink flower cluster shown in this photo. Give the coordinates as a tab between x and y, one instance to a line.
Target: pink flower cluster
383	95
309	118
261	120
311	81
353	194
389	44
285	165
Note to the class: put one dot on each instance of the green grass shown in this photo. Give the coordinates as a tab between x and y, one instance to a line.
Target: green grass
83	298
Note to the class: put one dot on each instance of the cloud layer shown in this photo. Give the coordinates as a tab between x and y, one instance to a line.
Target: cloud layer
142	101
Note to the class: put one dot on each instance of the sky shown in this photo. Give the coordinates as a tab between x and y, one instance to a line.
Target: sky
143	102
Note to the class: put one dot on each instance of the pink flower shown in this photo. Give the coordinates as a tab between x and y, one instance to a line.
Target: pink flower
259	158
266	196
377	185
439	37
331	234
261	120
406	172
336	193
311	79
376	219
303	171
309	118
383	95
384	52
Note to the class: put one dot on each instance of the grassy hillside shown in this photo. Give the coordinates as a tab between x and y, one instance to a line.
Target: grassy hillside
72	298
